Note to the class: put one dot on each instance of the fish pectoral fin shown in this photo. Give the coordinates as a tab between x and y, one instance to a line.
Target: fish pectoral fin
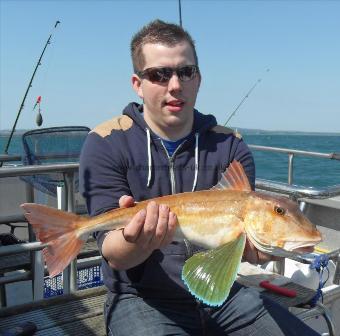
209	275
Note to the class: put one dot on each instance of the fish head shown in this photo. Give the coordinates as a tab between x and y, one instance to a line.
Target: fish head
277	226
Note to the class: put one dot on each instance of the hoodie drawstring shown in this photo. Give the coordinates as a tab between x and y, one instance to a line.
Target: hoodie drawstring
196	162
149	157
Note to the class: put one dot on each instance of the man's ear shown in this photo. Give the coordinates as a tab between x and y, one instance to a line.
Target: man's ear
137	85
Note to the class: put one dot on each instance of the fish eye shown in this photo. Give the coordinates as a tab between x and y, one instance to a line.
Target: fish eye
280	211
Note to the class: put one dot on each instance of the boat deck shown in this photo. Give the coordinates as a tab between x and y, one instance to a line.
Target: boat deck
83	310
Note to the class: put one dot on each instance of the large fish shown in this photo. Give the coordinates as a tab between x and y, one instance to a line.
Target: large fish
218	220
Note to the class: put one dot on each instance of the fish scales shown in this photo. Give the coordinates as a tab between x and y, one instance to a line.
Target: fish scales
216	214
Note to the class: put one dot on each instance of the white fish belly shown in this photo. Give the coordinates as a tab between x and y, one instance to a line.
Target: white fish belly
209	232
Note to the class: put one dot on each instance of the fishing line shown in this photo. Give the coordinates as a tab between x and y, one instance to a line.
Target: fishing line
243	99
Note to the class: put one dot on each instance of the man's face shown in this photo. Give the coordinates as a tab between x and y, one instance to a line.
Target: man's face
168	107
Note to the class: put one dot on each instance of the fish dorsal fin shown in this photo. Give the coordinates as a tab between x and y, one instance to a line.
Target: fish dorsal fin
209	275
233	178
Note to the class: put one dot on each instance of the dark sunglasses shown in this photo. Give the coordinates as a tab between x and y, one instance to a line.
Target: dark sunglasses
163	74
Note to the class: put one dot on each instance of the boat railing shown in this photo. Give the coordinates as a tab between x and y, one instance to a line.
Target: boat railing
36	272
292	153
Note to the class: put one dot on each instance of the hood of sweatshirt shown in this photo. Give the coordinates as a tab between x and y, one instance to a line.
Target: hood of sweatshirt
202	123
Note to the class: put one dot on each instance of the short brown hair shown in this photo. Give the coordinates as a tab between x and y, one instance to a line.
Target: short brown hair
161	32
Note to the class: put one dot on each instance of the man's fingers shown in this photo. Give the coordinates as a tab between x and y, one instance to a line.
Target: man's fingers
250	253
150	228
263	257
254	256
171	228
133	229
150	224
126	201
162	225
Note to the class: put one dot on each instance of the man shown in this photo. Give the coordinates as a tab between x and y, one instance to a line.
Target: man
160	147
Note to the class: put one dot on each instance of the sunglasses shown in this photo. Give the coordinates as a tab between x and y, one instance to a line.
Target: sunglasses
164	74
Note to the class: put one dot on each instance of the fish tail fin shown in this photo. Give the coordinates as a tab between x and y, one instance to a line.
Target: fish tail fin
209	275
61	251
58	229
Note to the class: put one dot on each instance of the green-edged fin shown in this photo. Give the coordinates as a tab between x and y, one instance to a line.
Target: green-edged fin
209	275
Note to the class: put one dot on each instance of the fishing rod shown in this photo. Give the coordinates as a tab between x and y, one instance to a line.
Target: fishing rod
243	99
26	93
180	12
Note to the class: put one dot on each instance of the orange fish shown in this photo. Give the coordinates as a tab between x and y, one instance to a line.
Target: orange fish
218	220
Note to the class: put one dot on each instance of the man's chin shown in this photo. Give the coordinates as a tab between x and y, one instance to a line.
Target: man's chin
177	119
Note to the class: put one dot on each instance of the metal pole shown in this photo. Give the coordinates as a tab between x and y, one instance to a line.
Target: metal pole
70	273
336	280
290	168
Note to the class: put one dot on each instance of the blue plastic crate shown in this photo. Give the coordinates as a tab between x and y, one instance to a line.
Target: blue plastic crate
86	278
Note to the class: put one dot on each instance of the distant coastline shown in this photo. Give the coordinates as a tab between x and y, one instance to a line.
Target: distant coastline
8	132
248	131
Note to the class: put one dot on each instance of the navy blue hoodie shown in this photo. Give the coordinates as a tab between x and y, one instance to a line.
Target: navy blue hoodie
124	157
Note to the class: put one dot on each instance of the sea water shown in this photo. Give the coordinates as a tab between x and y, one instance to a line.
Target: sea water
308	171
311	172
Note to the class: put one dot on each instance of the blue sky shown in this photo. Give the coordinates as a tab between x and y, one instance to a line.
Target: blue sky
86	71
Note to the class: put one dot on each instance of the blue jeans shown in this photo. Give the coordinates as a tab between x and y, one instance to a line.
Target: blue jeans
245	312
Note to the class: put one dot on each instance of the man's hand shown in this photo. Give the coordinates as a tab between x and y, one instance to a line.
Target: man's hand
150	228
254	256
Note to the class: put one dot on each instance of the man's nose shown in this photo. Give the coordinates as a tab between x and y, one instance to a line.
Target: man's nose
174	83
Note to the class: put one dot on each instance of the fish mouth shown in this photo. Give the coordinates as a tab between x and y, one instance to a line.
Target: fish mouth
304	250
290	249
300	249
286	253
